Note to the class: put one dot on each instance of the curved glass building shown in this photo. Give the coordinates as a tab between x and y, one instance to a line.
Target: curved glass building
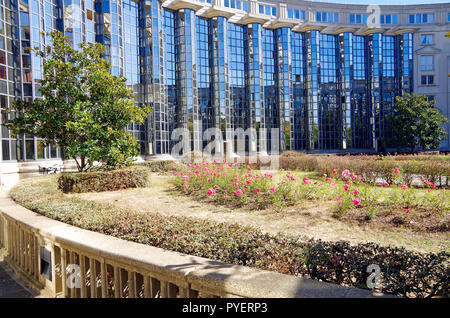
324	74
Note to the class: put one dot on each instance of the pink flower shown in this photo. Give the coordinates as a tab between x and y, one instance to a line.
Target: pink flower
332	184
185	186
306	180
346	173
396	170
211	192
249	181
406	210
257	190
386	184
225	196
272	190
334	170
356	192
356	201
429	184
404	186
345	187
338	202
238	192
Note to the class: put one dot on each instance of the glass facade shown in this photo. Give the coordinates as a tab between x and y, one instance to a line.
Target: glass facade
321	91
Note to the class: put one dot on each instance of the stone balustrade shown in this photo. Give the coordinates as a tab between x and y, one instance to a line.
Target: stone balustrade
60	260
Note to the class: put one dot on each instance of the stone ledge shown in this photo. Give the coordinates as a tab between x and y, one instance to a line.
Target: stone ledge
201	273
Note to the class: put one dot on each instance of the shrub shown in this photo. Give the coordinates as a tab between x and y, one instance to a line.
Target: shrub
370	168
292	154
403	272
108	180
160	165
301	162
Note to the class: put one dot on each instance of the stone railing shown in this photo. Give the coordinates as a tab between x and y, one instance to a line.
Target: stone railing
60	260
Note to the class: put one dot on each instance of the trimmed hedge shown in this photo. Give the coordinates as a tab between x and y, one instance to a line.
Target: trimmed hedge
437	171
159	165
108	180
403	273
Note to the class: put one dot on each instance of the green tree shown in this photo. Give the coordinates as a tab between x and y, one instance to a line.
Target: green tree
84	110
416	122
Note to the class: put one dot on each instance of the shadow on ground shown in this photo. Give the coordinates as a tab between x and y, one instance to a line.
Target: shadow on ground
10	285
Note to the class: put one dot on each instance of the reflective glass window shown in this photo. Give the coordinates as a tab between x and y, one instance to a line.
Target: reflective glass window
426	39
427	62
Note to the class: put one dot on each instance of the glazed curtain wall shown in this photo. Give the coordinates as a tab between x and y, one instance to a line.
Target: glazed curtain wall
323	91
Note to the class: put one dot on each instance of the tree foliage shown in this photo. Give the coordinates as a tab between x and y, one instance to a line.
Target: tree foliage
416	122
85	109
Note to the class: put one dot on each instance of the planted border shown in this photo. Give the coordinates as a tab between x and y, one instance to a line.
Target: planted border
435	169
403	272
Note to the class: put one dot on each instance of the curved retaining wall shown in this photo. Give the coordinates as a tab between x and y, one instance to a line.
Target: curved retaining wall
61	260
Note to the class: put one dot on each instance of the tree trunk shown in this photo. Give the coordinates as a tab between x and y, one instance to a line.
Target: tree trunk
83	163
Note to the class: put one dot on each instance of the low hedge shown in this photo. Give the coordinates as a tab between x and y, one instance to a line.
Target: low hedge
436	171
403	273
108	180
159	165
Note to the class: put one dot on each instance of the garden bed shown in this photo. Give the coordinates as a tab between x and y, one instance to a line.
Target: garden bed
275	220
396	204
403	272
309	218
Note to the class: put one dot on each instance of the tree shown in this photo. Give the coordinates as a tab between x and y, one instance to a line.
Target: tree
84	110
416	122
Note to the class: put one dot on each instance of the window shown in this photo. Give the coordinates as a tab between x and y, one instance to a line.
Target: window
267	10
358	18
290	13
389	19
448	17
327	17
394	19
430	98
427	63
426	39
421	18
427	80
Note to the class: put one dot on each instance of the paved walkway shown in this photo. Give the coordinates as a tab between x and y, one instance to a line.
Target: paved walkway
10	285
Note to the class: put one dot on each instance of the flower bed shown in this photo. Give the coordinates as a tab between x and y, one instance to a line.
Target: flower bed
403	272
233	184
237	185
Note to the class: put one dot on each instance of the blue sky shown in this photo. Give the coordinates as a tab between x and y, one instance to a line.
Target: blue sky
391	2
